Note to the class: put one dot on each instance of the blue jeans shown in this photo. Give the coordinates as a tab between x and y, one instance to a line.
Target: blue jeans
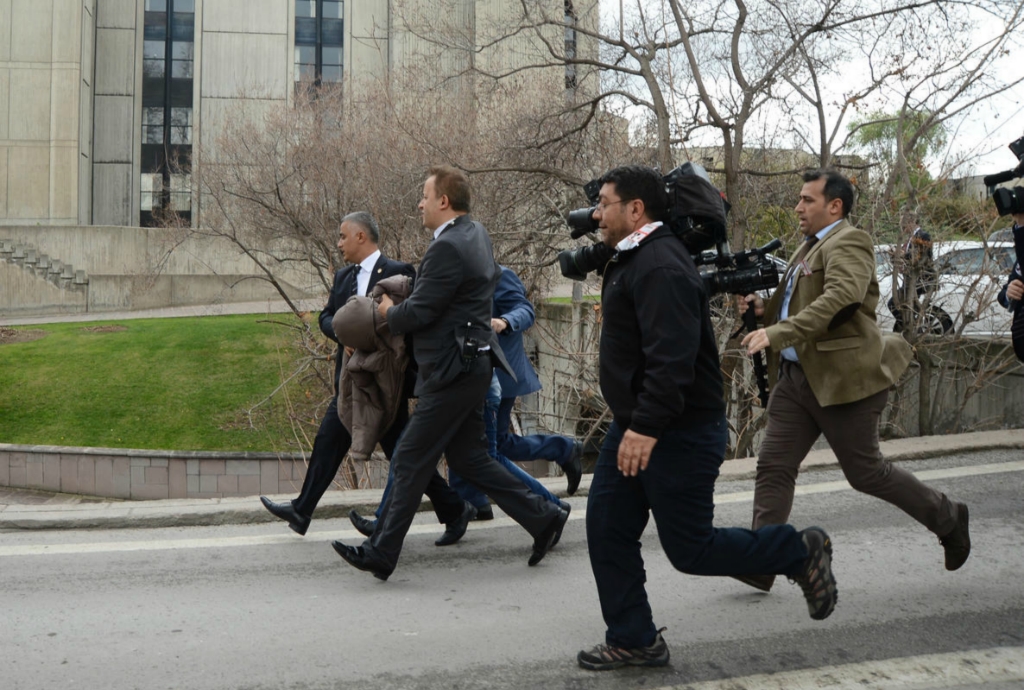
491	405
533	447
678	489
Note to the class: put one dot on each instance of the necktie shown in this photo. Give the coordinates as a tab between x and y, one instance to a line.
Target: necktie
355	279
801	253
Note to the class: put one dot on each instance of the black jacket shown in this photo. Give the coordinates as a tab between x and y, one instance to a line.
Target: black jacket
1018	245
659	358
451	299
345	285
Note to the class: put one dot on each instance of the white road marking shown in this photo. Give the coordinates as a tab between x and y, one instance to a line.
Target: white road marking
351	536
923	475
931	671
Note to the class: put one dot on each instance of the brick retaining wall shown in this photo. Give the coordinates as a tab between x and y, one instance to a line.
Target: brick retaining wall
149	474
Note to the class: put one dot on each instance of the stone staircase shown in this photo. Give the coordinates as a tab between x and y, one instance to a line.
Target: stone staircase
33	283
62	275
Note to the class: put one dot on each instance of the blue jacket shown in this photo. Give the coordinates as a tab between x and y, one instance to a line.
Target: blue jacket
510	303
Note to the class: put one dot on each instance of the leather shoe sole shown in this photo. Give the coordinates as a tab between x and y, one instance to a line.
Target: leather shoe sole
574	468
761	582
364	526
357	558
548	538
285	511
456	529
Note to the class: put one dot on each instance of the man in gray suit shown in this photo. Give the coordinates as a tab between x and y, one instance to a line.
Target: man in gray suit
449	317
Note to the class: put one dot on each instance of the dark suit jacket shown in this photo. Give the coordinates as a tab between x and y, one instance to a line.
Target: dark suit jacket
451	299
345	287
511	304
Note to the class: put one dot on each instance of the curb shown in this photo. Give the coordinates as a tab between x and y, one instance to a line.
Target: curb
337	504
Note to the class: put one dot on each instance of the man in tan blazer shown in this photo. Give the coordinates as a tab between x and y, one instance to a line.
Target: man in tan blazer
830	368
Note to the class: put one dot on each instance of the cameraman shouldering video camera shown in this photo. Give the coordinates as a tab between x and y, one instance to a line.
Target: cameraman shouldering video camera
1011	294
830	368
661	379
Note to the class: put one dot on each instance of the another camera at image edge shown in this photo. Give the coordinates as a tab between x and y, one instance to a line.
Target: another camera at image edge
1009	200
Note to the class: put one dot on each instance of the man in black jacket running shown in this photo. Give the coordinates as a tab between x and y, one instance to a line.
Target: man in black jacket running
660	376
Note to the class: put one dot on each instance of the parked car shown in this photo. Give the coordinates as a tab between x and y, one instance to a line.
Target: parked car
970	275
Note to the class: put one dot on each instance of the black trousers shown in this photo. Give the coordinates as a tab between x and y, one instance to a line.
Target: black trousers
451	421
329	448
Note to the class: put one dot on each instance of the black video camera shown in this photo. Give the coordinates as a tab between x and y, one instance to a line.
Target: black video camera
697	212
1011	200
741	273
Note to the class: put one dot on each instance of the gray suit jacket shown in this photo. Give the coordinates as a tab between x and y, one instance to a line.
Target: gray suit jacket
450	300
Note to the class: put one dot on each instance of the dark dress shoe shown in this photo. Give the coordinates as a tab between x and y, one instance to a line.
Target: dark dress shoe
285	511
574	468
761	582
548	538
359	558
568	509
455	530
958	542
364	526
484	513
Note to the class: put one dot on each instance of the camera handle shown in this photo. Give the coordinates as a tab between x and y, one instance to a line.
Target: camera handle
760	371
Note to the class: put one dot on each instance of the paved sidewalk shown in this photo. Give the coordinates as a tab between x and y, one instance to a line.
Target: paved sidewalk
260	307
23	510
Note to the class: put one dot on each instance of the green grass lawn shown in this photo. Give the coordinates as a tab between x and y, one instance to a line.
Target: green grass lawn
180	384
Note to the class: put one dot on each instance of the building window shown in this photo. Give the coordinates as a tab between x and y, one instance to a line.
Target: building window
168	52
318	42
570	46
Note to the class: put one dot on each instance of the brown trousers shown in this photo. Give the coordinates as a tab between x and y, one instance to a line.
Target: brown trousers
795	420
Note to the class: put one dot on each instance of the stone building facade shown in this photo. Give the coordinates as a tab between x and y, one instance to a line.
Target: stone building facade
102	101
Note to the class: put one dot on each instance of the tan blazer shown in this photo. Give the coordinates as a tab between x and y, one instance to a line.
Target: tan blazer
832	322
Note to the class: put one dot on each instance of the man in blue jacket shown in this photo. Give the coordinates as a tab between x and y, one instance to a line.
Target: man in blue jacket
511	315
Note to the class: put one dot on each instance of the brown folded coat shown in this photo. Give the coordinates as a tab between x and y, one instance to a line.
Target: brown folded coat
372	377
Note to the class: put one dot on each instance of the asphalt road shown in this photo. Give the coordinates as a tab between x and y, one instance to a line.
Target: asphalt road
256	606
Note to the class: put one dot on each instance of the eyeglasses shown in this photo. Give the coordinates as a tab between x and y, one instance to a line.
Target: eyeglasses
602	206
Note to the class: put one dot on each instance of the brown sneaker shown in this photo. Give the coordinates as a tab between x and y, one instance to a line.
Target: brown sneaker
605	657
957	543
816	580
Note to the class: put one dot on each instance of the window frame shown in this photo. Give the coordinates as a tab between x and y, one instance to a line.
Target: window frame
321	24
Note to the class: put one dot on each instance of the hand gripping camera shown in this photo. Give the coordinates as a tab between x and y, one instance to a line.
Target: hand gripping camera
1009	200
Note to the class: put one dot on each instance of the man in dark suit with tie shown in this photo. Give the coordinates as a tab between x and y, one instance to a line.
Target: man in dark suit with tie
830	368
358	241
449	317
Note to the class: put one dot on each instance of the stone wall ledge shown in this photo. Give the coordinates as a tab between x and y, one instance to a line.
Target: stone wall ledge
146	474
146	453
